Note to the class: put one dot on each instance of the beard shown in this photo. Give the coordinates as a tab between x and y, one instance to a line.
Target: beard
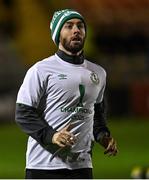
73	47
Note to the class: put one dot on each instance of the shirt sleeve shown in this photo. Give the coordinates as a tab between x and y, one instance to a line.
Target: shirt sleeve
31	123
100	113
100	121
103	85
32	88
27	115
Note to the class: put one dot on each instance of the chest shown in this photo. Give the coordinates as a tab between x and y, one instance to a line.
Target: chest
74	84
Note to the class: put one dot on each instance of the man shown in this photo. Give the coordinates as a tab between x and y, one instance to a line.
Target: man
60	105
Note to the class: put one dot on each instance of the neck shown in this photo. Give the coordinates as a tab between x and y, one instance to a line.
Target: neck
68	52
74	59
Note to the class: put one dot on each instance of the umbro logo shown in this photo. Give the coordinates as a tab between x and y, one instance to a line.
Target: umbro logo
62	76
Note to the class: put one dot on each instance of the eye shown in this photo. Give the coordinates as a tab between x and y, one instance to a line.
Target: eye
68	26
80	26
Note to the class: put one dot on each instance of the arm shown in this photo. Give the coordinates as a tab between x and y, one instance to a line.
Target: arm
100	128
28	116
101	131
31	123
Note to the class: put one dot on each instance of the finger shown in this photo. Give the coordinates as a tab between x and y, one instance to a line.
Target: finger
65	136
62	140
69	135
114	148
59	139
72	140
68	141
111	151
66	128
60	144
110	144
108	150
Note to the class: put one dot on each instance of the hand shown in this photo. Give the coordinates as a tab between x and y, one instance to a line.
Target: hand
64	137
110	145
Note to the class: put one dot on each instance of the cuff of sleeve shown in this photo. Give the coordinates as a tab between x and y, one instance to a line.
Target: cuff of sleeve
49	135
102	134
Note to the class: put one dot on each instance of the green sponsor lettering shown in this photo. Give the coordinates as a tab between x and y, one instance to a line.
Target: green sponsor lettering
82	92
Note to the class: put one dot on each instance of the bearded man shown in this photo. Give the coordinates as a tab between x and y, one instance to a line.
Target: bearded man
60	105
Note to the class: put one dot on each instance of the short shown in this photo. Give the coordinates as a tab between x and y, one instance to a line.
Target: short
83	173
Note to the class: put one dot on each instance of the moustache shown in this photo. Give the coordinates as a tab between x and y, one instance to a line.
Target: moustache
76	38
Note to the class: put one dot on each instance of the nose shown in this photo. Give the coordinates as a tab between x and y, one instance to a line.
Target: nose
76	29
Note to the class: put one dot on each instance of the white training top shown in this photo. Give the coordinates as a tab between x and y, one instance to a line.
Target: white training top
65	93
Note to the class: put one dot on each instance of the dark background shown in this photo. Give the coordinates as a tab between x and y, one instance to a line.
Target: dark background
117	39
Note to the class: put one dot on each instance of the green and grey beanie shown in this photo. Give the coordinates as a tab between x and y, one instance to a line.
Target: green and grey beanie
58	20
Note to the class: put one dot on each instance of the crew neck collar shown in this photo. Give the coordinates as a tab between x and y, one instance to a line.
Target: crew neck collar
71	59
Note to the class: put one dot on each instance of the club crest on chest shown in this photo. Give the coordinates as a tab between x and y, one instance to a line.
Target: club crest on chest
94	78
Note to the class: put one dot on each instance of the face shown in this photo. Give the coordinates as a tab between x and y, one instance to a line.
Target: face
72	36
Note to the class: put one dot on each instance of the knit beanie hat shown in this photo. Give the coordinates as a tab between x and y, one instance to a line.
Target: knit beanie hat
58	20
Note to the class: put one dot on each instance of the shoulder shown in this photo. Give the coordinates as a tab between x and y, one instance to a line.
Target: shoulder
95	67
42	65
45	62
